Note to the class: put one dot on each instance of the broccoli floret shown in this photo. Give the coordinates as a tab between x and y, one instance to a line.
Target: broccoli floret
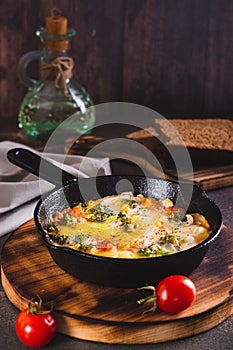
70	219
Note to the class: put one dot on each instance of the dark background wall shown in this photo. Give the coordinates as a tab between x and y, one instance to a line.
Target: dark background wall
175	56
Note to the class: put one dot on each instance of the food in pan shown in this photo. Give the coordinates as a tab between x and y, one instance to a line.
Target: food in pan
127	226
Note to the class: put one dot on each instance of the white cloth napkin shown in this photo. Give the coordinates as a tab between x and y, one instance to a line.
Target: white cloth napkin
20	190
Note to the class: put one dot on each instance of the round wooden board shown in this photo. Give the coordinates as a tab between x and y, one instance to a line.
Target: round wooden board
112	315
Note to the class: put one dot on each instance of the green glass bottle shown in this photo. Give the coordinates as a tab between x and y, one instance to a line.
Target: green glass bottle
57	101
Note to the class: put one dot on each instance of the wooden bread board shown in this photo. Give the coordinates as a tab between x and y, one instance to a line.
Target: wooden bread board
112	315
212	177
211	169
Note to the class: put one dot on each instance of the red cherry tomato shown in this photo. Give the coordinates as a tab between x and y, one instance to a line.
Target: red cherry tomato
175	293
35	328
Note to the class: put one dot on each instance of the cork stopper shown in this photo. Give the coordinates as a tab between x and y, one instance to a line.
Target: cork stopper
56	24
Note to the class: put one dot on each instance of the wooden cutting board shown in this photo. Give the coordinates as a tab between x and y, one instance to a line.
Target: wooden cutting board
112	315
211	177
211	169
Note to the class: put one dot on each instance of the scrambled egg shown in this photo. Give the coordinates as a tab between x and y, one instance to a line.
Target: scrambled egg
127	226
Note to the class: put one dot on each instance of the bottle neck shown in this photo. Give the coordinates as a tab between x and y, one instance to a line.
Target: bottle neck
48	56
54	46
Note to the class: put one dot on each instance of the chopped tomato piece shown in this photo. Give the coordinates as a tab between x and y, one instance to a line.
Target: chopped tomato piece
174	209
78	212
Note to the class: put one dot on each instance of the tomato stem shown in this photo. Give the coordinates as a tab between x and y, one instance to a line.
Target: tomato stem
149	299
35	308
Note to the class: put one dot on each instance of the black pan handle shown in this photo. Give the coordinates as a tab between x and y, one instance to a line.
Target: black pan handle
39	166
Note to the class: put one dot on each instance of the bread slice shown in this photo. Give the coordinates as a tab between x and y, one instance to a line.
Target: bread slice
215	134
206	139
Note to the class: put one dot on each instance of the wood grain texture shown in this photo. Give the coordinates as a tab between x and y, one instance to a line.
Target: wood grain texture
172	56
112	315
176	66
213	177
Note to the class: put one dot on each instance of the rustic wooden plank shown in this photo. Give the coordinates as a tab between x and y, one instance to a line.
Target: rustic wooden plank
99	47
218	87
112	315
213	177
167	65
16	38
172	56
